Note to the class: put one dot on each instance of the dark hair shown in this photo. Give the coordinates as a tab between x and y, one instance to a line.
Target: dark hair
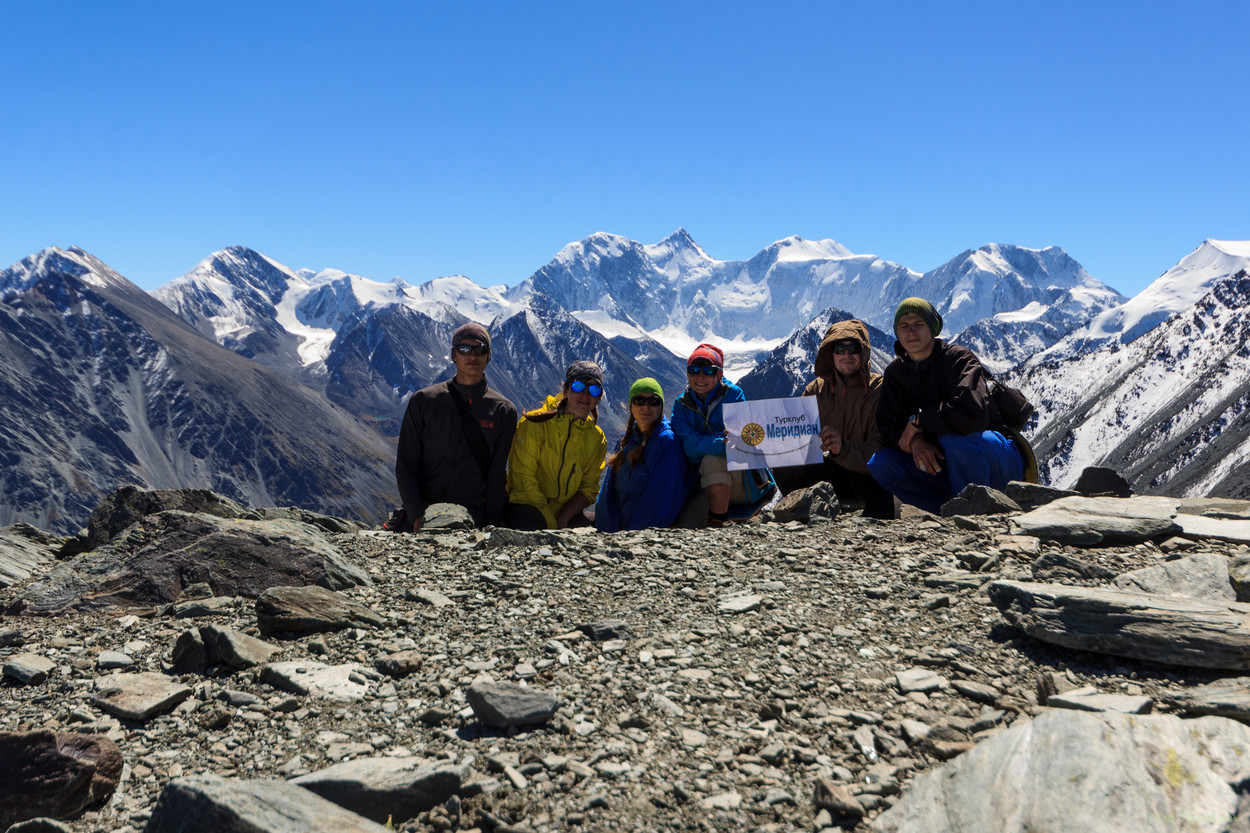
618	456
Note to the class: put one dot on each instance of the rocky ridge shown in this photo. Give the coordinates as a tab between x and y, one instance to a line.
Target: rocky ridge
770	676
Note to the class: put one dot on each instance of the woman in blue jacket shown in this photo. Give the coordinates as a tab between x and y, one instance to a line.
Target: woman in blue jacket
646	475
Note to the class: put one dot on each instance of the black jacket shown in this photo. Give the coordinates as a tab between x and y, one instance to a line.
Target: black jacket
433	461
948	390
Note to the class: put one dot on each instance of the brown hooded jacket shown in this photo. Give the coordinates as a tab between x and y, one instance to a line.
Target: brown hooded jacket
848	405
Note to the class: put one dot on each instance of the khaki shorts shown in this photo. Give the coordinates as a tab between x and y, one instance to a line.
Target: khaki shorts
714	471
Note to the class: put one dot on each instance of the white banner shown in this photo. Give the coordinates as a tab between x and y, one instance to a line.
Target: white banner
772	433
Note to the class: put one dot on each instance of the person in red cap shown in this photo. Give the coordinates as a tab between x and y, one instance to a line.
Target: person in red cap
455	437
699	424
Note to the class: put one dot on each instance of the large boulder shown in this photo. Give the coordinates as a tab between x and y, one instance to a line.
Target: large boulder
1100	772
380	787
162	554
54	774
228	805
124	507
1100	521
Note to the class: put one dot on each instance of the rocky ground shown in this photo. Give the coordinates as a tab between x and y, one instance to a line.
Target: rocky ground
767	676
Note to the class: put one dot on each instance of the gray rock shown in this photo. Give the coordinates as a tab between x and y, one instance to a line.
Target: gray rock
380	787
1084	521
835	798
1200	576
509	704
1058	566
1033	495
447	516
1096	481
1216	507
108	660
223	646
161	554
28	669
1226	698
138	696
1217	529
195	608
400	663
430	597
311	610
1104	773
976	499
605	630
343	683
57	774
228	805
819	502
40	825
124	507
739	604
1090	699
918	679
24	551
500	537
1167	629
326	523
188	655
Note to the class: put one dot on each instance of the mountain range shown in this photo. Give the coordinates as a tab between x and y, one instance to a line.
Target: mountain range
245	375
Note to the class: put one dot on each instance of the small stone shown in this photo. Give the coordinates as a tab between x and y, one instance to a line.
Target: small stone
509	704
722	801
28	669
138	696
693	739
108	660
605	630
739	604
918	679
980	692
836	798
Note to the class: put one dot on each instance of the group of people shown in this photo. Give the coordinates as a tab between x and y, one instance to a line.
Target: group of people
917	434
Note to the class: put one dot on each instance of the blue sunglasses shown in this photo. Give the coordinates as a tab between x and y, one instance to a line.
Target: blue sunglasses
577	386
696	369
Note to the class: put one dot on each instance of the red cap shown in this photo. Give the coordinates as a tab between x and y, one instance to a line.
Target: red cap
706	351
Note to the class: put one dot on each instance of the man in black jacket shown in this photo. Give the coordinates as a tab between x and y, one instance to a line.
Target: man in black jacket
455	438
940	430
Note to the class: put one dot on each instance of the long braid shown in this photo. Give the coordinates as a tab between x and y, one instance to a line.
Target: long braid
635	456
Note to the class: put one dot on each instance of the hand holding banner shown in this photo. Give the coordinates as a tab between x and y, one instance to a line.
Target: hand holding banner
772	433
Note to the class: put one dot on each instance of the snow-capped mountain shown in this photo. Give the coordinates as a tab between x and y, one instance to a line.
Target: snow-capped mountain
101	386
1170	410
790	366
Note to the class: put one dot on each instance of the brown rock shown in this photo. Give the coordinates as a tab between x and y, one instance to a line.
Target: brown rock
54	774
836	798
311	610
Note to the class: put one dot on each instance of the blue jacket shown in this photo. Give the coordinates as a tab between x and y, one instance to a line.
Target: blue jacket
650	493
699	423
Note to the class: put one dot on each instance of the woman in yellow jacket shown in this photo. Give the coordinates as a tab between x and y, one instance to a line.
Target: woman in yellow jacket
557	456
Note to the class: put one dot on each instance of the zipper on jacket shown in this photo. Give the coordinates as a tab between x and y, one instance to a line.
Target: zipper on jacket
564	449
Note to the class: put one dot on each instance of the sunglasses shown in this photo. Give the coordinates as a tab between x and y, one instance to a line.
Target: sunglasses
846	349
647	401
577	386
475	349
696	369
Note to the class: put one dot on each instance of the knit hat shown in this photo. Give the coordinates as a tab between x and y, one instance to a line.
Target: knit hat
646	385
587	370
471	331
706	351
921	307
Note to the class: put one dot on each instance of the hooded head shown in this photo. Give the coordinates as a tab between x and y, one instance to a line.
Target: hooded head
850	330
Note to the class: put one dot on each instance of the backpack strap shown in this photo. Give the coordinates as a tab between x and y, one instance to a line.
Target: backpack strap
472	430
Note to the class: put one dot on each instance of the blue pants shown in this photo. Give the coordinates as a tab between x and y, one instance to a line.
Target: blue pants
988	458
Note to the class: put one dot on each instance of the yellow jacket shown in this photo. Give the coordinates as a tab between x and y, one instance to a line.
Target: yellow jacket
554	458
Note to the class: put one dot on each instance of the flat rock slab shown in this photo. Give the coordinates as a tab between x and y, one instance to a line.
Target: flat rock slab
343	683
138	696
1100	521
380	787
1090	699
311	610
919	679
24	551
1216	507
1226	698
431	597
55	774
509	704
228	805
1103	773
1165	629
1199	576
162	554
1219	529
28	669
739	604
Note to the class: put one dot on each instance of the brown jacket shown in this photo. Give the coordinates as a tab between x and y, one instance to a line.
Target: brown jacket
848	405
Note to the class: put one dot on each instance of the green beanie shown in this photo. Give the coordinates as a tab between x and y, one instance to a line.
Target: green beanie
646	385
921	307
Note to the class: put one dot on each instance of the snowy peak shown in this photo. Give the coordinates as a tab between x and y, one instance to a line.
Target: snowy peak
460	294
58	264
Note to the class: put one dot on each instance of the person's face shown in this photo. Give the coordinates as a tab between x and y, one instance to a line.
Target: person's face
470	366
579	405
913	333
700	382
846	362
646	409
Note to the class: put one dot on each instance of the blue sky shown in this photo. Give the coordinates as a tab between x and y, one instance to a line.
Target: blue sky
427	139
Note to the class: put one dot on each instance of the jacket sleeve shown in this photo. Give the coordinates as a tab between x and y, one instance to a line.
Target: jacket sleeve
592	466
688	426
964	408
893	409
496	478
527	447
408	461
666	484
856	452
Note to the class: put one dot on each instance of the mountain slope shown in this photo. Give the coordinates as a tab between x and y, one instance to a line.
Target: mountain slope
101	385
1171	410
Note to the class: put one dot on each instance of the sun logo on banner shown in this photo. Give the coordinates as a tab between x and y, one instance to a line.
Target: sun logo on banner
752	433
